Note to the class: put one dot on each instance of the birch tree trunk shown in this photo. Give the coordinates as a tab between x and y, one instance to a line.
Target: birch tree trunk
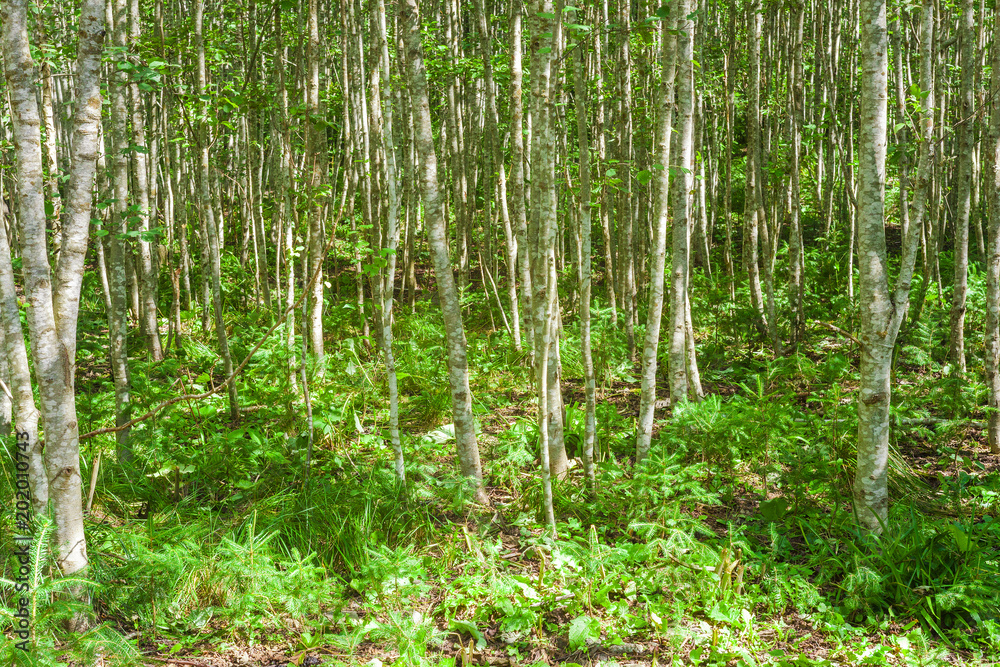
670	38
458	368
589	378
147	278
114	242
517	175
24	413
992	190
796	254
385	129
210	227
544	233
55	299
882	311
316	157
963	176
752	221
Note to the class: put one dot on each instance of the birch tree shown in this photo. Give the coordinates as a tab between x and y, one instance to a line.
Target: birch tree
669	42
992	190
54	296
423	136
882	310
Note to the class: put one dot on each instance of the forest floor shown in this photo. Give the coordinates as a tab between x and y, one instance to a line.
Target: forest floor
759	634
735	545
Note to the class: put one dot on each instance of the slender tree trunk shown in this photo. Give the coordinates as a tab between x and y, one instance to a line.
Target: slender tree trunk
680	188
672	40
543	236
211	229
963	176
25	414
458	369
316	157
796	255
589	378
385	129
147	277
992	189
517	176
752	219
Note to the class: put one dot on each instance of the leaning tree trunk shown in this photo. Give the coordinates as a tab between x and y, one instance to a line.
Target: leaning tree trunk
458	365
883	311
647	399
25	414
54	299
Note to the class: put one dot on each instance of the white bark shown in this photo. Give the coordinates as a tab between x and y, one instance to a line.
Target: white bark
458	368
882	311
54	300
589	377
391	240
316	156
25	414
992	190
647	400
210	227
963	185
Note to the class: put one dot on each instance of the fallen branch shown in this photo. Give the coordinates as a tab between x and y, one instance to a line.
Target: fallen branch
845	334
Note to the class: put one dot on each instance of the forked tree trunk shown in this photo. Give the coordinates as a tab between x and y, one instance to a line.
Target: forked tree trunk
54	297
883	310
458	366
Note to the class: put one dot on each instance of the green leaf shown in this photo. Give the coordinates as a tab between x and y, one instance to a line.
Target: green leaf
962	539
581	629
545	15
470	628
774	509
644	176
